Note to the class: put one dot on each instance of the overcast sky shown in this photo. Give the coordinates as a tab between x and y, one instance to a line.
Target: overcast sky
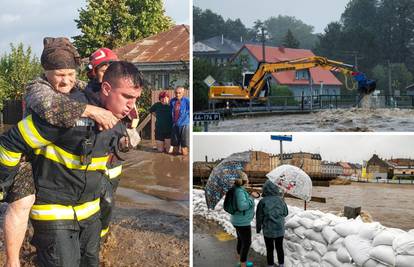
317	13
28	21
333	146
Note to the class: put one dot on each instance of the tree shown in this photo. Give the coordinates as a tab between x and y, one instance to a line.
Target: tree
207	24
113	23
278	27
16	69
290	40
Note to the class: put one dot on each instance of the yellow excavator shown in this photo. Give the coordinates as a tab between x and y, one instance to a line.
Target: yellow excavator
255	86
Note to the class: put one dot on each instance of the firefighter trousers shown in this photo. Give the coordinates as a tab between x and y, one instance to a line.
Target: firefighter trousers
67	244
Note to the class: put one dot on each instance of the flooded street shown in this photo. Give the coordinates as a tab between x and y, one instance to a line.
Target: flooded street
378	120
389	204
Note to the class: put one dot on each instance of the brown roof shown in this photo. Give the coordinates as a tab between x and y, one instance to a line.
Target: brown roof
402	162
169	46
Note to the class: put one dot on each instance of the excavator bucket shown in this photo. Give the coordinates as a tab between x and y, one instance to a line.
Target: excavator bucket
365	86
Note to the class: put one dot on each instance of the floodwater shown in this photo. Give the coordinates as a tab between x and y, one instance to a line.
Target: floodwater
155	179
389	204
349	120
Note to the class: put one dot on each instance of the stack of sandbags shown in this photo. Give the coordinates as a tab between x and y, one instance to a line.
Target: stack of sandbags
310	239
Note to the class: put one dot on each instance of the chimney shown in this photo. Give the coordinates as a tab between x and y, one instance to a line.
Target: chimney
241	39
222	39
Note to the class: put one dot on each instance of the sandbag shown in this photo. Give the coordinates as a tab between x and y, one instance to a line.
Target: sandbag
326	264
319	247
319	224
313	256
358	248
311	214
293	222
350	227
331	258
306	244
343	255
404	260
329	234
300	231
306	222
315	236
404	244
383	254
386	236
370	230
290	235
371	263
336	245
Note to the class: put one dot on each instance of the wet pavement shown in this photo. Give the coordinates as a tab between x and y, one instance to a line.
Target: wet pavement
352	120
389	204
214	247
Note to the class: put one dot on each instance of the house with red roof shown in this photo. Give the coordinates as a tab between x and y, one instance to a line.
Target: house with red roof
163	58
323	81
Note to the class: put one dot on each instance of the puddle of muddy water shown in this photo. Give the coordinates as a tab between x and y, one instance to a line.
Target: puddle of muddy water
213	247
354	119
157	174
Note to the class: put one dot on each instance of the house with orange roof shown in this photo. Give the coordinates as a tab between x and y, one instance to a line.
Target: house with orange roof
323	81
164	58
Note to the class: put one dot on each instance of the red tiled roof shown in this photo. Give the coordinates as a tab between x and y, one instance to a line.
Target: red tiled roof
168	46
276	54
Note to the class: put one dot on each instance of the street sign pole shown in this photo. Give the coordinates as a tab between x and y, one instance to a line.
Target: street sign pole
281	138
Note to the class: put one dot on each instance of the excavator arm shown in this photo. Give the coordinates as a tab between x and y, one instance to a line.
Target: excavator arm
259	78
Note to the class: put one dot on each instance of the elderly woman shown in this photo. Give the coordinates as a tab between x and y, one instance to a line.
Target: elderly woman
163	122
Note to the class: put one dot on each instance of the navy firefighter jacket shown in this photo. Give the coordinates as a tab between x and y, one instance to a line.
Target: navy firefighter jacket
68	163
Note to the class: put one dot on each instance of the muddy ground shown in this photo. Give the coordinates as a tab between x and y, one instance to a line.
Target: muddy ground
151	219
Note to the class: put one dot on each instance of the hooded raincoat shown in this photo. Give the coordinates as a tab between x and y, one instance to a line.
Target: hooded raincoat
271	212
245	205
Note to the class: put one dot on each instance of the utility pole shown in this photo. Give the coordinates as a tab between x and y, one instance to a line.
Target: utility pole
263	44
389	78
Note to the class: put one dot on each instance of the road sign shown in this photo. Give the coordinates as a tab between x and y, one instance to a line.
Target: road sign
211	116
209	80
281	137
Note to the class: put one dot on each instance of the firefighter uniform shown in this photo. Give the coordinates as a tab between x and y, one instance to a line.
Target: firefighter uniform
114	165
68	168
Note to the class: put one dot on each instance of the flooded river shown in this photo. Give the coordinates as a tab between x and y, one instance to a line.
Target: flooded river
354	119
389	204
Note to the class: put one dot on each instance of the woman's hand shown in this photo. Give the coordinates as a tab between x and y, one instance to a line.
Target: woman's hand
104	118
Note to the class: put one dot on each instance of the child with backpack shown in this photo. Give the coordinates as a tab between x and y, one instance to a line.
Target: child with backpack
241	207
270	216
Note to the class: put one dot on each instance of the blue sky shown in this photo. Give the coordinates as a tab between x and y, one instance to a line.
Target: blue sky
28	21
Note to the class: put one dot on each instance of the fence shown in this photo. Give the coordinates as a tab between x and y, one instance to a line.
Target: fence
317	102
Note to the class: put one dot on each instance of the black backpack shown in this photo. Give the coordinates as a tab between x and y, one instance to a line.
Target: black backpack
230	201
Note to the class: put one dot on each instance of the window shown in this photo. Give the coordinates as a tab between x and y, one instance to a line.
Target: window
302	75
163	81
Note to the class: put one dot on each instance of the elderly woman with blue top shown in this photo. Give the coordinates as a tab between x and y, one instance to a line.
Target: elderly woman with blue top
242	218
270	216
